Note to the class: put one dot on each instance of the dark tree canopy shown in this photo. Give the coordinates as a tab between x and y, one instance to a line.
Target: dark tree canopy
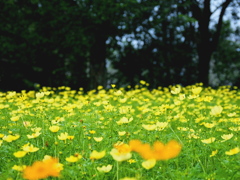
76	42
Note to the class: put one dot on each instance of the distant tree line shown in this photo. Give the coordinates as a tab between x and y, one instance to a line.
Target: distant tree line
86	43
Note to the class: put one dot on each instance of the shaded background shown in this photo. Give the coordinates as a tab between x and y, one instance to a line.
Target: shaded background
86	43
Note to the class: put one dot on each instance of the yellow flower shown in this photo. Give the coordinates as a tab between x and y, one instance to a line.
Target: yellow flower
120	156
70	137
105	169
34	135
37	129
121	133
128	178
131	161
208	125
176	90
19	168
15	118
73	158
39	95
213	153
216	110
10	138
63	136
118	93
227	136
54	128
97	155
1	141
20	154
196	90
149	127
124	120
209	140
98	139
92	132
148	164
161	125
29	148
233	151
1	135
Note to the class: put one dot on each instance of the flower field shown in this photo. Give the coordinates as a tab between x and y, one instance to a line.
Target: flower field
130	133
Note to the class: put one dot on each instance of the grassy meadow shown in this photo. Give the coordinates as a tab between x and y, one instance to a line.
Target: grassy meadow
132	133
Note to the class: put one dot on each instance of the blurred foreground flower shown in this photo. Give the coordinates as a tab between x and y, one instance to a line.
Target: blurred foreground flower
43	169
233	151
148	164
105	169
121	152
159	151
97	155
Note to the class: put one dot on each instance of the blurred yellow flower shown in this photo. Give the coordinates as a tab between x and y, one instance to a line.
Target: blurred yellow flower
63	136
120	156
233	151
97	155
92	132
216	110
105	169
227	136
176	89
1	141
10	138
131	161
15	118
54	128
121	133
148	164
124	120
34	135
208	125
73	158
213	153
149	127
196	90
20	154
19	168
209	140
128	178
98	139
29	148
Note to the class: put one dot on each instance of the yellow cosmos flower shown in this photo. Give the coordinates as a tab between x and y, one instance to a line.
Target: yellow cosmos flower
54	128
161	125
73	158
216	110
121	133
213	153
70	137
10	138
131	161
15	118
29	148
19	168
209	140
149	127
63	136
233	151
34	135
98	139
1	141
227	136
120	156
196	90
176	90
105	169
20	154
148	164
39	95
1	135
124	120
37	129
128	178
97	155
208	125
92	132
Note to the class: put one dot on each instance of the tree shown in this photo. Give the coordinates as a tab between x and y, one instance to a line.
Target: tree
207	40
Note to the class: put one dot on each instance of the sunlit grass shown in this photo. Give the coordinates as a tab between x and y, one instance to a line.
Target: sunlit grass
89	135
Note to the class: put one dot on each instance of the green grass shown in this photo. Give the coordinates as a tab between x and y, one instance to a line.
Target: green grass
190	119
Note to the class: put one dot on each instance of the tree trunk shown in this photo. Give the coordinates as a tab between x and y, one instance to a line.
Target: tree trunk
98	61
